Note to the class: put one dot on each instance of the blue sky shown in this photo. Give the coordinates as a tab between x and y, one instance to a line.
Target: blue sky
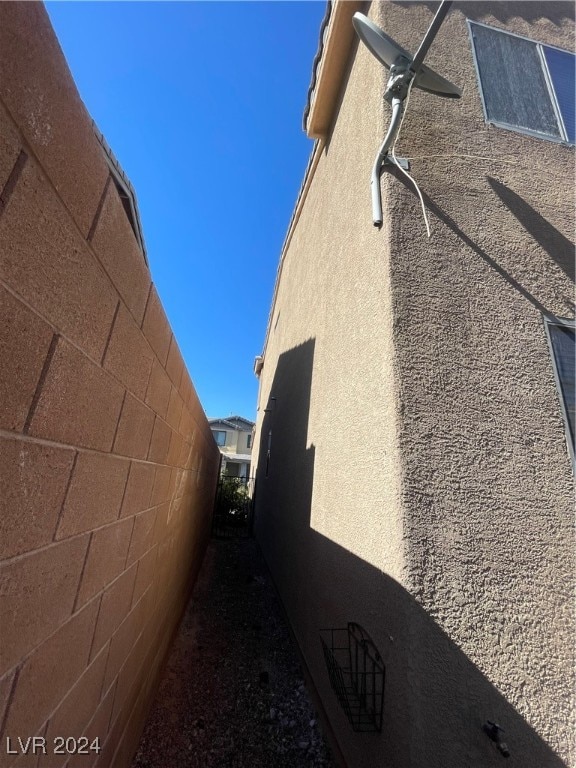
202	104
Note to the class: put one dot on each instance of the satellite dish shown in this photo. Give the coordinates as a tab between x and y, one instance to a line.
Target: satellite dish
406	72
387	51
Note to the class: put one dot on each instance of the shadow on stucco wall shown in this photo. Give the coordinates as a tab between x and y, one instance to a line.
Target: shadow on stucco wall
542	231
283	457
556	245
436	699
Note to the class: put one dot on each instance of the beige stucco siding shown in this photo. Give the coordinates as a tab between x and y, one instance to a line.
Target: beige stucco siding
487	474
243	442
330	496
487	471
418	480
335	293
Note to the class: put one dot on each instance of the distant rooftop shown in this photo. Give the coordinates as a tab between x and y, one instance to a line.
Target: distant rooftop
234	422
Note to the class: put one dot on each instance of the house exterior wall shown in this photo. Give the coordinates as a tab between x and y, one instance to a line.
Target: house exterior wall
242	442
487	473
236	439
231	445
231	442
330	364
418	480
230	439
108	466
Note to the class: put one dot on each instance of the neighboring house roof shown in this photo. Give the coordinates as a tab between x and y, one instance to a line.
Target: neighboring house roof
243	457
125	190
230	422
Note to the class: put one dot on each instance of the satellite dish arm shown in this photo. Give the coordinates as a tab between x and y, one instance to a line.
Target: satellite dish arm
402	72
430	35
397	112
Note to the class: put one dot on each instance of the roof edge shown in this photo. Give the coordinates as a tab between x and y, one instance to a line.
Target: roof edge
336	38
227	420
260	360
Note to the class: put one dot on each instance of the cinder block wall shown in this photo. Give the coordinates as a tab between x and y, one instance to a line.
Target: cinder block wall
107	463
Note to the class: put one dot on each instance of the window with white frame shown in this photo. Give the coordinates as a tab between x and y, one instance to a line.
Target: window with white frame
525	85
562	346
219	436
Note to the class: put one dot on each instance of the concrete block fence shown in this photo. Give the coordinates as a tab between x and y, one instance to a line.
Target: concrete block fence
107	463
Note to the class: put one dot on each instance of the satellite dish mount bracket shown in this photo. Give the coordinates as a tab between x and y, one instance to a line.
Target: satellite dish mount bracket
405	71
399	80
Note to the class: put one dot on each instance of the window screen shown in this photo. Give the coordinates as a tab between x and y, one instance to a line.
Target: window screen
562	342
525	85
561	66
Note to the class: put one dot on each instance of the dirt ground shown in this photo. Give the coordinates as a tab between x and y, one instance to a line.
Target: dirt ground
232	694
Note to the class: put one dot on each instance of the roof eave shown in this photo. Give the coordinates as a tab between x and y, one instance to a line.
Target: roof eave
332	61
336	40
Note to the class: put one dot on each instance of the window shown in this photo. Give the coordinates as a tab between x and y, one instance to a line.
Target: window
249	441
219	436
562	341
525	85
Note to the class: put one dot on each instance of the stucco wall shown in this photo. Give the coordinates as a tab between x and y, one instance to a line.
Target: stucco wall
107	463
487	473
236	439
329	514
418	479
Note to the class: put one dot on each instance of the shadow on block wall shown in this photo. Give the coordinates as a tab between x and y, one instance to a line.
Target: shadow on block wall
436	699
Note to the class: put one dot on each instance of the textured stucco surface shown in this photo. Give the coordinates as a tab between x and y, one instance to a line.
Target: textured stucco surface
329	513
418	479
487	477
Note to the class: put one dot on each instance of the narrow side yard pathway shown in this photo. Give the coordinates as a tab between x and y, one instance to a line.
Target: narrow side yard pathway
232	695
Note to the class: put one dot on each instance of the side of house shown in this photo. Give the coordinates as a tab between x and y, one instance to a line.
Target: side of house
233	436
413	474
107	463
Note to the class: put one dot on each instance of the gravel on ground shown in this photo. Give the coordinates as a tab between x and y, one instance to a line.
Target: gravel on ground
232	694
